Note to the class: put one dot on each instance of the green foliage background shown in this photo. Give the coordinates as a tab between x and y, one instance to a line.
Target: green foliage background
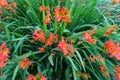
84	14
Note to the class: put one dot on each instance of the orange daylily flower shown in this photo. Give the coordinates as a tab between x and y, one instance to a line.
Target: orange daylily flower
38	36
14	5
104	71
108	45
117	75
113	27
48	42
66	48
48	16
3	46
115	1
47	19
4	51
109	30
102	68
41	76
62	46
113	49
31	77
61	14
0	11
3	3
25	63
42	8
88	38
57	11
54	37
117	69
8	6
2	64
51	39
41	49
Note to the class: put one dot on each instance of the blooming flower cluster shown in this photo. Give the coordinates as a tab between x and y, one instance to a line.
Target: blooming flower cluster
4	4
116	1
109	30
40	76
25	63
97	57
51	39
4	51
48	16
61	14
41	49
31	77
113	49
40	36
103	70
77	65
44	9
88	38
66	48
117	69
62	46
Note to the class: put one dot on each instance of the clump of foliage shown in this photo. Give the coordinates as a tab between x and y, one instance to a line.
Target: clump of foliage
58	40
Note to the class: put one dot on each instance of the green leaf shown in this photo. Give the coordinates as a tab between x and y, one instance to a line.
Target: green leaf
15	72
80	58
74	73
88	60
72	64
18	45
50	58
24	56
67	74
